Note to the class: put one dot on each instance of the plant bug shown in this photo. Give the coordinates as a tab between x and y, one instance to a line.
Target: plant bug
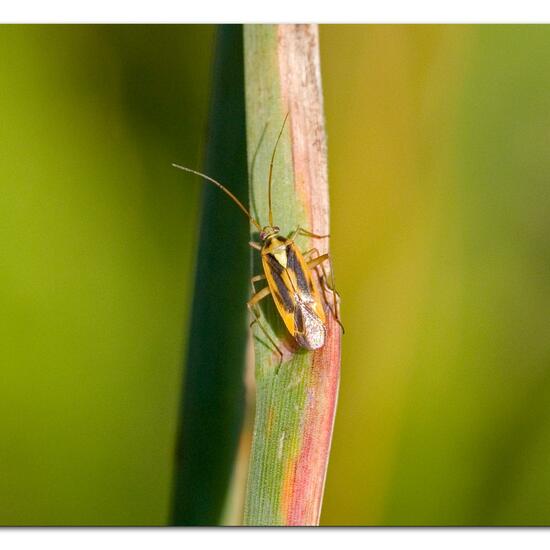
288	273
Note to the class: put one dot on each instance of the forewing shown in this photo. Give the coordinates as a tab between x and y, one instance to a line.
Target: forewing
281	290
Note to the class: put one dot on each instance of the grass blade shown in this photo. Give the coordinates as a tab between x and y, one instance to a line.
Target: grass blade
296	405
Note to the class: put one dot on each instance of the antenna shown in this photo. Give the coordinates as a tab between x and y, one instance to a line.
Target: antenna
224	189
271	170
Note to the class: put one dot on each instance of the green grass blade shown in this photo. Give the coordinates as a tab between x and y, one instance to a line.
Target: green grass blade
213	402
295	407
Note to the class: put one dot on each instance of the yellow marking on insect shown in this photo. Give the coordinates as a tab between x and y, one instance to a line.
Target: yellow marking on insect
280	255
288	274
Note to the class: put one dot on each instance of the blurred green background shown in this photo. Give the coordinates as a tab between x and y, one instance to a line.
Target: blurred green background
439	170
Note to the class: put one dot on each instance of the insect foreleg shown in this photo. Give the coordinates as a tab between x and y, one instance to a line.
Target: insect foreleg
254	245
252	303
301	231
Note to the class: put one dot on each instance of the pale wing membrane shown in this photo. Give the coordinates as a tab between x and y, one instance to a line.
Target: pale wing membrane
310	331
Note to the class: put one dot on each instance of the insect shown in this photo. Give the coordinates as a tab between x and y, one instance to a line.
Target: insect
288	273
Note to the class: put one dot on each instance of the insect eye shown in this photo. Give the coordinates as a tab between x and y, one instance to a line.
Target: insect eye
262	235
276	228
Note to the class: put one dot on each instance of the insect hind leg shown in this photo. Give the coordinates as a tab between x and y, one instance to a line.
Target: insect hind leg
252	305
318	261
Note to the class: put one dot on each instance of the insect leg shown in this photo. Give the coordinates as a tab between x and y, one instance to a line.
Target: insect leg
313	263
318	262
309	253
251	305
260	295
255	245
256	279
301	231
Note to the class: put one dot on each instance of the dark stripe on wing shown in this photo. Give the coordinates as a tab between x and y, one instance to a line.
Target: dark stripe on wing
294	266
299	320
282	294
274	264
